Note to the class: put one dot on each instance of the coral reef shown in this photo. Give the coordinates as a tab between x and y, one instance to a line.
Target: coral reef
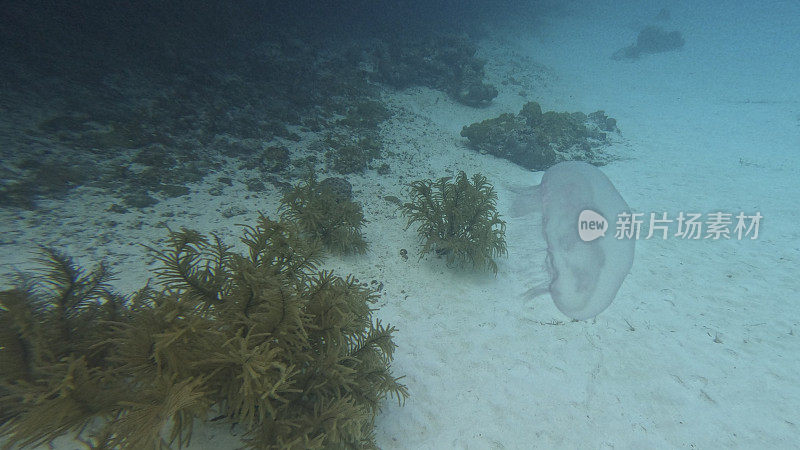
339	186
324	211
142	122
366	114
286	351
445	62
537	140
457	218
148	125
652	39
352	152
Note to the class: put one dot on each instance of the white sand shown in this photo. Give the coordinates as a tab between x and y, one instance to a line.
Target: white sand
713	127
700	347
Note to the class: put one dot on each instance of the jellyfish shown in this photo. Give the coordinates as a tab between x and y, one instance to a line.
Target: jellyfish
586	263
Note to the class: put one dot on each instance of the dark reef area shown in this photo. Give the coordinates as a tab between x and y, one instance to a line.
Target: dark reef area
139	99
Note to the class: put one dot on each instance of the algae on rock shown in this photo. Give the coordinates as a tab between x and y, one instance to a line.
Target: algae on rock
537	140
264	339
326	214
457	219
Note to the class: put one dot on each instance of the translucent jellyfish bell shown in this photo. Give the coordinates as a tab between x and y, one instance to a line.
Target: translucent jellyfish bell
585	275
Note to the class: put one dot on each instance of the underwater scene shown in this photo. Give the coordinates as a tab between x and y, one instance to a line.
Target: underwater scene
440	224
